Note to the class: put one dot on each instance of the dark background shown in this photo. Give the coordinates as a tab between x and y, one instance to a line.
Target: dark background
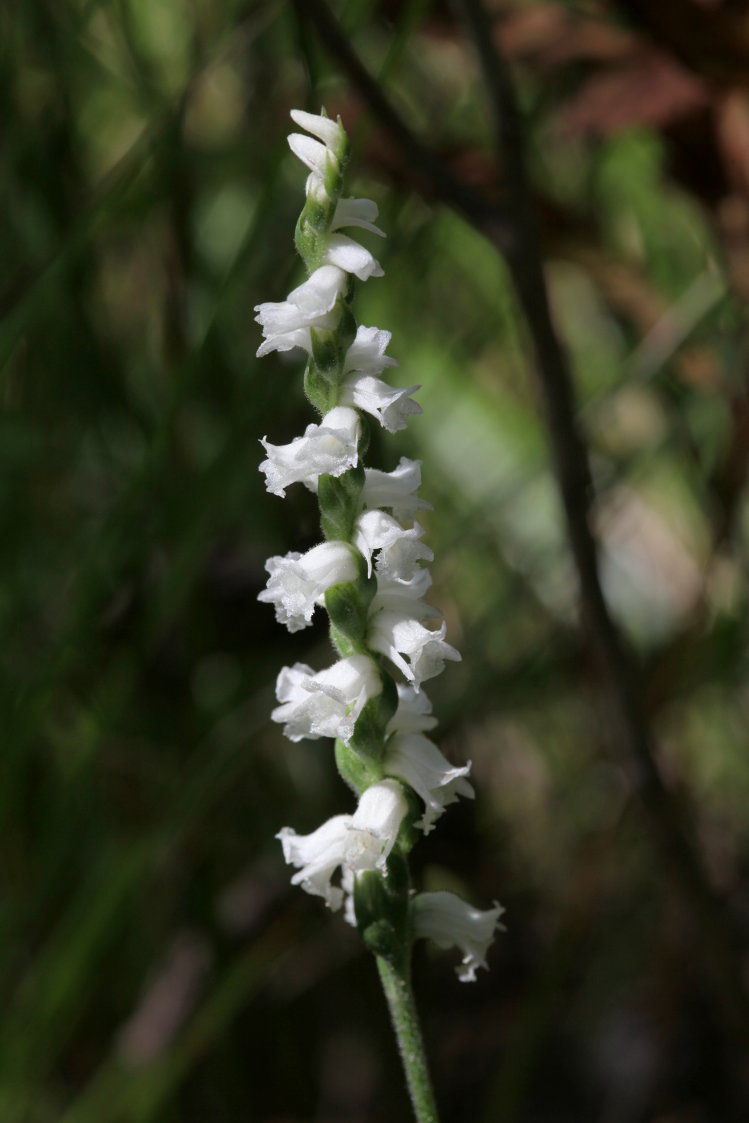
156	965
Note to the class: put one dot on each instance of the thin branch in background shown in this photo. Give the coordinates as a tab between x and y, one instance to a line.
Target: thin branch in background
629	727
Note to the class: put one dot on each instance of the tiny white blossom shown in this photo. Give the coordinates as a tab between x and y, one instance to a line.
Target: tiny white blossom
356	212
418	652
326	703
417	760
391	406
298	582
330	132
319	855
330	447
395	490
367	352
402	596
400	549
414	712
345	253
399	558
451	922
317	157
311	305
375	825
356	843
364	360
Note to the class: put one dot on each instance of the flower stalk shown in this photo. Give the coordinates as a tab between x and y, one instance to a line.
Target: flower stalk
369	575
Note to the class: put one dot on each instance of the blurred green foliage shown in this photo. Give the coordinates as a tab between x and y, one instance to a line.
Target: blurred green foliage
155	964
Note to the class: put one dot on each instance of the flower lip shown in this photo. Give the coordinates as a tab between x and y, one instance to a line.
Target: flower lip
418	652
412	757
318	855
347	254
396	490
356	212
451	922
367	351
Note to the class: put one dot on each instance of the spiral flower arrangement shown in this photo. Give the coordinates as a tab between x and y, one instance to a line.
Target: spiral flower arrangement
371	577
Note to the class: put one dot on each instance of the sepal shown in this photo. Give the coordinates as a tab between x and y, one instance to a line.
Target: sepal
382	911
340	502
347	604
355	770
368	739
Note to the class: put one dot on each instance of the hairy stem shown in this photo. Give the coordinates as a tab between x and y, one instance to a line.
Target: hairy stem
400	999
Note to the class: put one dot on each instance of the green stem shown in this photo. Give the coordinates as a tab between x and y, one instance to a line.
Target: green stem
400	999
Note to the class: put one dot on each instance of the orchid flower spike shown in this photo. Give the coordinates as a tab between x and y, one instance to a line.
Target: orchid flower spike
371	576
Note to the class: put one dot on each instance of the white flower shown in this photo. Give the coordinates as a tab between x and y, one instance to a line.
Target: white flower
316	156
331	133
330	447
451	922
364	360
392	407
298	582
398	559
418	652
347	254
319	855
414	712
402	596
356	843
400	549
326	703
375	825
417	760
367	353
356	212
319	158
395	490
311	305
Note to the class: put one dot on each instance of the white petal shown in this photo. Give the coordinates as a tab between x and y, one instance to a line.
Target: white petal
298	582
392	407
330	448
451	922
315	155
375	825
328	131
400	558
398	595
367	352
326	703
395	490
286	341
349	255
312	304
414	713
417	760
319	855
356	212
418	652
400	549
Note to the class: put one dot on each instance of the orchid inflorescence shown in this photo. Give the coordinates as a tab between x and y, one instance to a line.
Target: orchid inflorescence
369	573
